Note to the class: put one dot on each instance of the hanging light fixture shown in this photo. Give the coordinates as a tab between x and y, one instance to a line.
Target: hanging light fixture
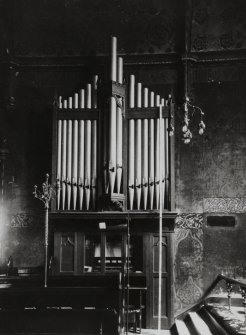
189	110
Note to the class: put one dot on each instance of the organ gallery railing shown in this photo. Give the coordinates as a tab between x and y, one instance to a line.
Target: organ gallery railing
107	148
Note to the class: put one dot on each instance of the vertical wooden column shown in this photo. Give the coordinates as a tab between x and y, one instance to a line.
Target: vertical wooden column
112	118
112	144
119	129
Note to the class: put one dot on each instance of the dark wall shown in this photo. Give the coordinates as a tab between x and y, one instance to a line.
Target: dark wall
50	42
83	28
218	25
216	161
210	179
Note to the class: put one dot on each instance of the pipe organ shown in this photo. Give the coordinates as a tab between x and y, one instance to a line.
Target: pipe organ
111	147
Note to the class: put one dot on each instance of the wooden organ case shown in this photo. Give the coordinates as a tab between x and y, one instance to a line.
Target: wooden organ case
108	139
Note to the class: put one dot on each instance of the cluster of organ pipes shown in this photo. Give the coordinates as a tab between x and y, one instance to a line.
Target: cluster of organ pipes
148	147
77	153
148	151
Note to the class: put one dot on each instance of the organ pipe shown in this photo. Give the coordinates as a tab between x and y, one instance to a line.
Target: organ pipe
113	63
151	154
112	143
69	156
131	144
163	158
75	153
76	101
58	173
166	160
145	153
157	157
138	150
88	150
60	102
112	117
119	129
105	155
81	151
94	145
64	157
75	163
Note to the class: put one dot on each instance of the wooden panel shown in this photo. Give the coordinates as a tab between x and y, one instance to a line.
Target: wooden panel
146	113
156	254
75	114
153	282
67	252
164	309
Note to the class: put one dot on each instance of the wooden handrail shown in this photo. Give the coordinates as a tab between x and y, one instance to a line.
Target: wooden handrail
233	281
208	291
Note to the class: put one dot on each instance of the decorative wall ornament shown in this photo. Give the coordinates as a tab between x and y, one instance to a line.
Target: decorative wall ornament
187	267
24	220
226	40
201	15
225	27
189	292
228	205
189	221
200	43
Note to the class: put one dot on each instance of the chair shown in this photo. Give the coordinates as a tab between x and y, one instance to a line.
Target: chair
135	318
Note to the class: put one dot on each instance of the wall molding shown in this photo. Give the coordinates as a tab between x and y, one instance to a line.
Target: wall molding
68	62
224	205
25	220
191	220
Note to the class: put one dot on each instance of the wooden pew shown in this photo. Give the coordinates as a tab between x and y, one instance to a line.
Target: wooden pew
78	305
